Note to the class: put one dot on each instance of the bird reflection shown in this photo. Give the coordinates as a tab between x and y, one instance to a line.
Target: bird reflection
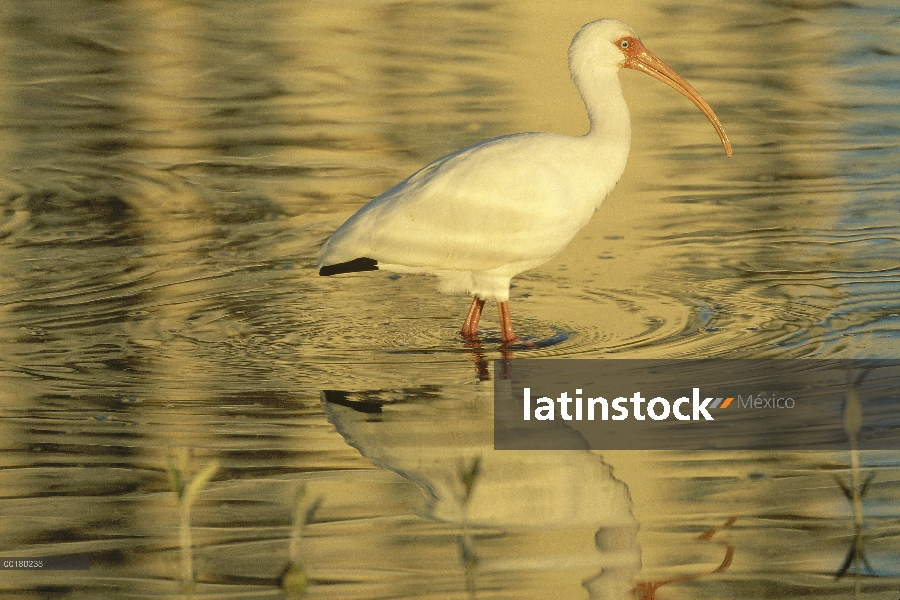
482	367
478	356
646	590
502	506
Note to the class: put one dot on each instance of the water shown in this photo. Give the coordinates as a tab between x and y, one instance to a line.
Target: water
169	170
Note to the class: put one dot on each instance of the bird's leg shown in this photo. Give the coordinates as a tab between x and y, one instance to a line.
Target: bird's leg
470	325
646	590
506	330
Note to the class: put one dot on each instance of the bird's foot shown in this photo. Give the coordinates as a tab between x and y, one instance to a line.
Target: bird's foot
517	342
469	337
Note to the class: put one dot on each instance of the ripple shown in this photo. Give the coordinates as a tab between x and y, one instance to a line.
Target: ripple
169	176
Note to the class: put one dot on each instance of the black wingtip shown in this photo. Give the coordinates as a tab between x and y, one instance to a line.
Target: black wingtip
341	398
351	266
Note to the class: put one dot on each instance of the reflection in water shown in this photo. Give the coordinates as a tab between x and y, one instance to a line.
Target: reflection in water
169	169
521	515
646	590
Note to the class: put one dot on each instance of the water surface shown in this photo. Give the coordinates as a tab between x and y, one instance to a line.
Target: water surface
169	171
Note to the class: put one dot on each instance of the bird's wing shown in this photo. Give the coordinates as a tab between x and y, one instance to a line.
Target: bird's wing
490	205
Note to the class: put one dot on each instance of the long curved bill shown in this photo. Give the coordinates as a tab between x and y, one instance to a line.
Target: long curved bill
637	57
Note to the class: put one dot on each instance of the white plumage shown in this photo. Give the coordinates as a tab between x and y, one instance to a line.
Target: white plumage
480	216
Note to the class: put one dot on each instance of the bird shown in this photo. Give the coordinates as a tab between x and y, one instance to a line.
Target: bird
479	216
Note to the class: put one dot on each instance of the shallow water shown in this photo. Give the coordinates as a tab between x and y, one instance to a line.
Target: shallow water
169	170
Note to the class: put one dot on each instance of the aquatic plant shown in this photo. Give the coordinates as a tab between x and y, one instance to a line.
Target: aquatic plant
187	490
293	579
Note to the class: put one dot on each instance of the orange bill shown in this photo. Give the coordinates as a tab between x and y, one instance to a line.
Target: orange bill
637	57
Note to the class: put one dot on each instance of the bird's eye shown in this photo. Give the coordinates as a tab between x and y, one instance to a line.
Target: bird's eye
624	44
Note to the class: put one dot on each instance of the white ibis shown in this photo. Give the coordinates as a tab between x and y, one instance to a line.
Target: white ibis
480	216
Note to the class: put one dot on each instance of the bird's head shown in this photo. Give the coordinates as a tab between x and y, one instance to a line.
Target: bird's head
598	43
611	44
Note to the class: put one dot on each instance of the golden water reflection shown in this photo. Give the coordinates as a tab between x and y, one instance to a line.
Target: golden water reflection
170	170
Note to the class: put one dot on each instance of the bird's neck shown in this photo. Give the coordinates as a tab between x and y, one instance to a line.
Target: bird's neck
602	94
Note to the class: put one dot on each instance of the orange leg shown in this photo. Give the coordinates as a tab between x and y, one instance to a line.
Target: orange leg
506	330
646	590
470	325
